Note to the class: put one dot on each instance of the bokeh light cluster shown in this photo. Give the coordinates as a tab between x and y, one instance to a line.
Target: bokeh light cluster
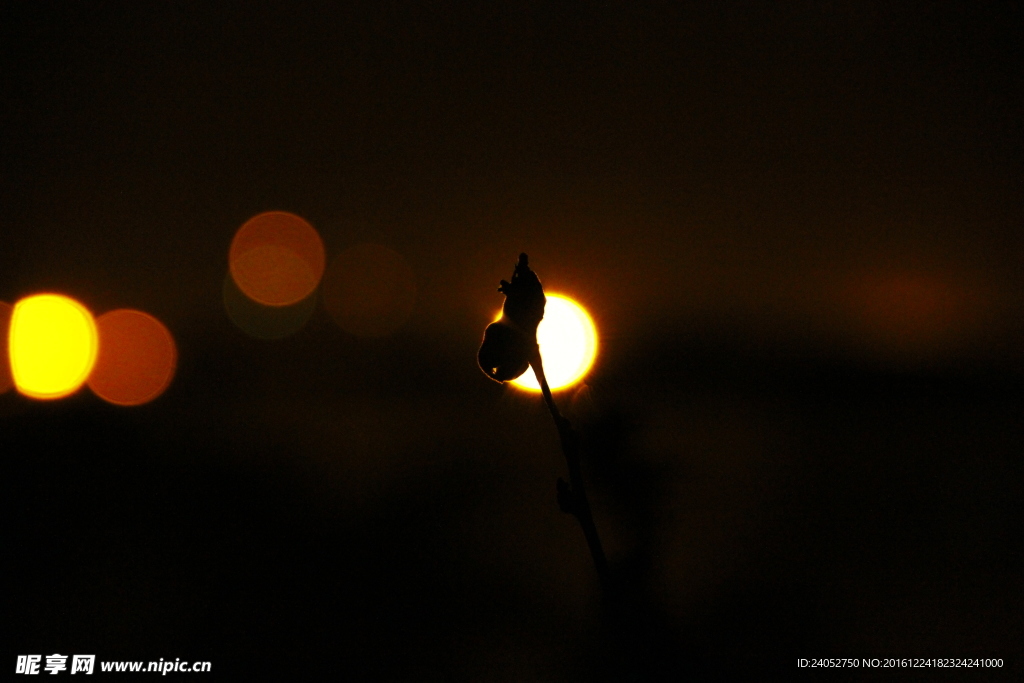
277	264
276	268
52	345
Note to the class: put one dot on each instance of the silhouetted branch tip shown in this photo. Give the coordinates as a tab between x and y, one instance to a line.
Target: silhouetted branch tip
508	349
509	343
524	298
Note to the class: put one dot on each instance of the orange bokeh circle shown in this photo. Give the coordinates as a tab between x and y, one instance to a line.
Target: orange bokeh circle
277	258
137	358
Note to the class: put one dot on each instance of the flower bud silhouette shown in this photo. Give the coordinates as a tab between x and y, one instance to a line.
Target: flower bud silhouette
505	352
509	348
510	342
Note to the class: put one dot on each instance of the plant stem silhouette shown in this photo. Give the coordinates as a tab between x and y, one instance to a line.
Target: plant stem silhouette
572	496
508	349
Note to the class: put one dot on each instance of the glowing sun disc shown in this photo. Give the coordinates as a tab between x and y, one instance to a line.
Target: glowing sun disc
568	345
52	344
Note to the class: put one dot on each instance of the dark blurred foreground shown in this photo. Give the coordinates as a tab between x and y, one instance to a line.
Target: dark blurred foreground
757	508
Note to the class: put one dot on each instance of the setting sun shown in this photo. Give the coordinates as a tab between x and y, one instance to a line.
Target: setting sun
568	345
52	345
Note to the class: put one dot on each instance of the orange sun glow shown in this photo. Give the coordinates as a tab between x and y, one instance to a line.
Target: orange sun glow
568	345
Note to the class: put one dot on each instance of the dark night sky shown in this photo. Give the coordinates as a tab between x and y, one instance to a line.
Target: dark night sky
797	227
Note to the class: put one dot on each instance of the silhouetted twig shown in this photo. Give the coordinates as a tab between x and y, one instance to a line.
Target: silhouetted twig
508	348
572	496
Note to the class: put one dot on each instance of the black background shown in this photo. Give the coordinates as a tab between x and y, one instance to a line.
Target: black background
797	227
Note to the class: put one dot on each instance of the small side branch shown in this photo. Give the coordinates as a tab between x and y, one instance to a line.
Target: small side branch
572	496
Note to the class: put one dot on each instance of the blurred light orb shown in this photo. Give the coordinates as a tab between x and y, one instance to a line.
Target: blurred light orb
369	290
568	345
277	258
52	345
137	358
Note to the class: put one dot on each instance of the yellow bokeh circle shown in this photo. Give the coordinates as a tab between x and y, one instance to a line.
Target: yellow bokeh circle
52	344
